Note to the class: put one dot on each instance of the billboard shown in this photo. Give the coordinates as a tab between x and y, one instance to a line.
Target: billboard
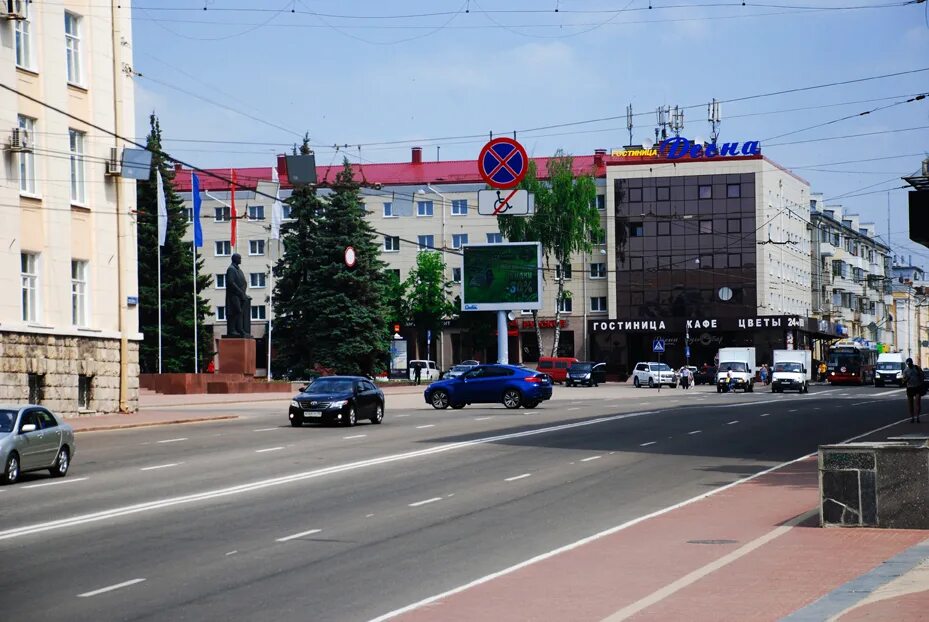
501	277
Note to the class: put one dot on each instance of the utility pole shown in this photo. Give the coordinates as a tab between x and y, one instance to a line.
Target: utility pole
118	182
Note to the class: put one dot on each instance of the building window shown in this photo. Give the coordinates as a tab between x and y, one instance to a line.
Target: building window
256	212
190	214
735	260
389	210
636	263
79	293
635	195
287	212
456	275
460	207
222	248
636	229
424	208
601	202
78	192
598	239
36	388
73	47
257	279
495	238
663	193
29	277
258	312
220	281
222	214
705	192
256	247
459	239
663	227
706	262
598	304
706	226
27	158
563	271
426	242
23	30
733	191
220	313
84	391
566	305
391	243
734	225
598	270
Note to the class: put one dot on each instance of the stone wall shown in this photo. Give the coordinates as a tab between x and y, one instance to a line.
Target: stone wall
59	361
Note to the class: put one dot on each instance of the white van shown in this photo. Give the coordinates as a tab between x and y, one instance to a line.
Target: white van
429	371
889	369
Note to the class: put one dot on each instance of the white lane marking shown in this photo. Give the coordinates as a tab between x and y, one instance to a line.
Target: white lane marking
298	535
348	438
532	412
692	577
887	392
733	422
695	432
261	451
83	519
401	415
56	483
420	427
173	440
608	532
591	458
516	477
369	515
864	402
765	414
419	503
482	418
792	410
644	403
160	466
648	443
231	553
265	429
110	588
574	409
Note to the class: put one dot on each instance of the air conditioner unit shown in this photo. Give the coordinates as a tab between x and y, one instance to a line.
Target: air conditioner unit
113	166
12	10
20	140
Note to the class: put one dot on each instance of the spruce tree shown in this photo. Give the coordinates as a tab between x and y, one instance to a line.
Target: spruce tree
177	323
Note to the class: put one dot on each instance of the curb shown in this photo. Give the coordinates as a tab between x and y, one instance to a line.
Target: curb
150	424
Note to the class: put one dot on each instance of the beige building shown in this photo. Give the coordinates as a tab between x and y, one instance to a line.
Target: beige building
68	325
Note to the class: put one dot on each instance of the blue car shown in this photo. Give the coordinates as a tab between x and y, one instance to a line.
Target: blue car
491	384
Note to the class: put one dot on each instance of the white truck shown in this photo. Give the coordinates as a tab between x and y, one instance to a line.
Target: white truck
792	371
736	369
889	369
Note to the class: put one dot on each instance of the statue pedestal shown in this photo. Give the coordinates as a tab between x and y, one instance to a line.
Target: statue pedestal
237	356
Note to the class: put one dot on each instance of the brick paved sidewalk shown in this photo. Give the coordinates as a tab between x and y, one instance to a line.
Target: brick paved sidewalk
753	551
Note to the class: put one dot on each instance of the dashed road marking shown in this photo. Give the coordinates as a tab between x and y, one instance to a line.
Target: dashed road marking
648	443
231	553
401	415
733	422
419	503
173	440
160	466
348	438
110	588
429	425
792	410
516	477
482	418
532	412
591	458
309	532
574	408
261	451
695	432
769	414
56	483
265	429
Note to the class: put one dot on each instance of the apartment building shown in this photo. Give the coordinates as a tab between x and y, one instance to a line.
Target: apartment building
68	324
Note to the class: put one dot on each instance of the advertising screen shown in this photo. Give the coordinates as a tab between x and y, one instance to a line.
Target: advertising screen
501	277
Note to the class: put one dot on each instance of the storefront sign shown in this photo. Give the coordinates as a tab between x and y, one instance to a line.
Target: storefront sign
677	147
542	324
634	153
682	324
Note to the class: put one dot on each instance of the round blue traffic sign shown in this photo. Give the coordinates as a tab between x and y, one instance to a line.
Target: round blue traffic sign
503	163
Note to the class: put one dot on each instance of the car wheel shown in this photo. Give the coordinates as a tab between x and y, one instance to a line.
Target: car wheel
651	383
11	472
511	398
750	388
378	414
62	462
719	389
350	418
458	406
635	382
297	421
440	399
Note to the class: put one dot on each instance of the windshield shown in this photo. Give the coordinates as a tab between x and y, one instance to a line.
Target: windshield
330	385
844	359
660	367
891	366
7	420
461	368
581	367
734	366
788	367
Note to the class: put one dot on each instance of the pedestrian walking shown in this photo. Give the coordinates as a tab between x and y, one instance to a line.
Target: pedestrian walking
763	372
913	378
418	372
822	371
730	382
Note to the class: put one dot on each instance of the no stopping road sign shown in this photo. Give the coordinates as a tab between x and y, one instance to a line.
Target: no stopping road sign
503	163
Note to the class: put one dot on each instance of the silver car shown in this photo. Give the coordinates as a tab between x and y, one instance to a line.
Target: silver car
32	439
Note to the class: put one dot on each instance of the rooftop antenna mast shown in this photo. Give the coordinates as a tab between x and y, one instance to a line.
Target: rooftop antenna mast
629	123
715	118
677	120
664	115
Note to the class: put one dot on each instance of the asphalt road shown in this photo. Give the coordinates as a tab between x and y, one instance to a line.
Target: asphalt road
250	519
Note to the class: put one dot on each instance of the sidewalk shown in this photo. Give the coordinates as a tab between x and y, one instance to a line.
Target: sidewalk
752	551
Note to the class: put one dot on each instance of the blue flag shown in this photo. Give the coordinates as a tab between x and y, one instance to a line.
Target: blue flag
195	190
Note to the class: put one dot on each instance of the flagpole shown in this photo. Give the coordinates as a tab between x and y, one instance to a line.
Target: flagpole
193	248
159	308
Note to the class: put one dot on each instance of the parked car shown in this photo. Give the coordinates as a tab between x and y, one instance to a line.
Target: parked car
470	363
556	367
429	370
457	370
337	399
510	385
586	373
653	375
33	439
705	375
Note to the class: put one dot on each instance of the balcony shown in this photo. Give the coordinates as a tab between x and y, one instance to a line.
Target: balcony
826	249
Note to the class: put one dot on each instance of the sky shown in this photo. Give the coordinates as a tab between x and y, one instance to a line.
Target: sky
239	82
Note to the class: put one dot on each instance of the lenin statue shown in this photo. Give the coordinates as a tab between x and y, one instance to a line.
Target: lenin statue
238	304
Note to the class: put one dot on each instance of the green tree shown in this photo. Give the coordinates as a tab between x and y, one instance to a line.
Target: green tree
331	314
565	222
177	296
428	295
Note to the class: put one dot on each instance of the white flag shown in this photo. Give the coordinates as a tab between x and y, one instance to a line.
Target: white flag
162	210
277	209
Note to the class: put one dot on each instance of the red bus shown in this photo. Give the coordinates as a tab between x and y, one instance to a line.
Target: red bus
851	362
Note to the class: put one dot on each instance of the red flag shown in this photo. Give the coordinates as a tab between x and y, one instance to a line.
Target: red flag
234	216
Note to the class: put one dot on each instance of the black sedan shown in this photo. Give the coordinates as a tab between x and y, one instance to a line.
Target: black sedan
705	375
338	399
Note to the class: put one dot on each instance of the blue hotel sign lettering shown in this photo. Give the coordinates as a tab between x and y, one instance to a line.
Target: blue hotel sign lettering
676	148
